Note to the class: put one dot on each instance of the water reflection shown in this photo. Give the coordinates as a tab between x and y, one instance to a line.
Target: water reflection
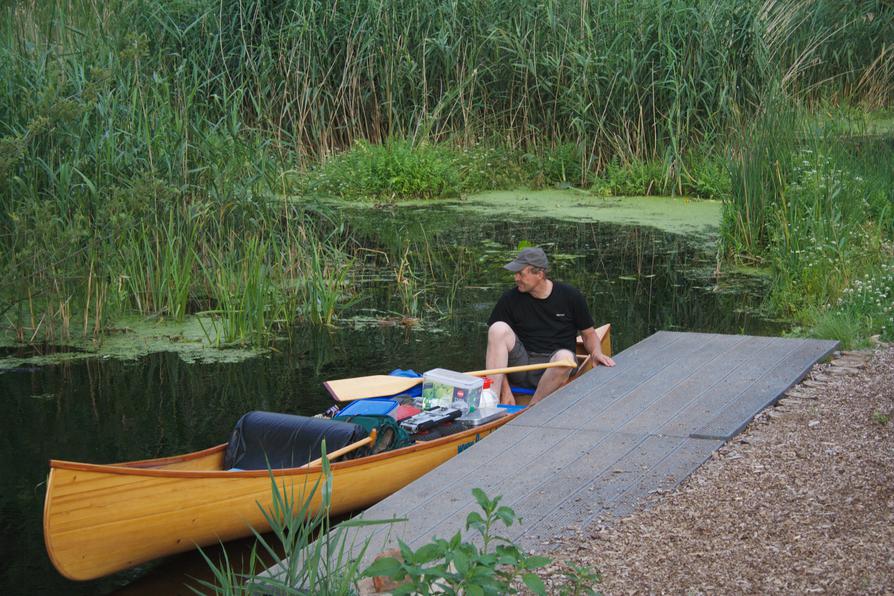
445	272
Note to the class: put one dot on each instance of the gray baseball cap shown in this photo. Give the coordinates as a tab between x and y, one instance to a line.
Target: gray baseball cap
535	257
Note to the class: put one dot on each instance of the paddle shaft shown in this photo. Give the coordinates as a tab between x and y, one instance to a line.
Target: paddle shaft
522	368
344	390
519	368
514	369
347	449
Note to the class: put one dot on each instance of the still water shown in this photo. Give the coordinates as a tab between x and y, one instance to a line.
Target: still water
428	285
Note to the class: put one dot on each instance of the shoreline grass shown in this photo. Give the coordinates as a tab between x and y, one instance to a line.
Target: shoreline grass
818	211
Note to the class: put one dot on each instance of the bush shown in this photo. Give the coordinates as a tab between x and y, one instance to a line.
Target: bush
392	171
400	170
561	165
707	178
489	167
634	179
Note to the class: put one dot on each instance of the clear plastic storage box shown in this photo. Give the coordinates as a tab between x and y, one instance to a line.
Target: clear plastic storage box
442	387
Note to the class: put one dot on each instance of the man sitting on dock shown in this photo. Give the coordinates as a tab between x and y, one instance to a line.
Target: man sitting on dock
538	321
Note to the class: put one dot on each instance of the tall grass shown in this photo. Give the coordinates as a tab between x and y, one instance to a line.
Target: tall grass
137	137
631	78
818	209
156	268
125	188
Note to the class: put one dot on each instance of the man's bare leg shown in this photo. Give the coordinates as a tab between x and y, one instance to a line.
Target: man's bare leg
506	396
500	341
553	378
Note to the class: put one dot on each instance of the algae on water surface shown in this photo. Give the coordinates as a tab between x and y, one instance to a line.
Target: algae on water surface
136	337
676	215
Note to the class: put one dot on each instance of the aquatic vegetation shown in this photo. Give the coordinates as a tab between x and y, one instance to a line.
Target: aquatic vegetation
818	211
137	138
155	266
244	293
675	215
315	553
407	286
324	282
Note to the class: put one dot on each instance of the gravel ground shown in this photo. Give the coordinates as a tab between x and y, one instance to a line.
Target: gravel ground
801	502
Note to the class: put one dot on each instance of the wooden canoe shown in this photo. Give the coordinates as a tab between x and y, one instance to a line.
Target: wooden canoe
99	519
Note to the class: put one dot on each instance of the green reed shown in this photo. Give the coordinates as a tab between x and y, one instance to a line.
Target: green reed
240	287
124	184
126	126
408	287
155	268
627	78
815	205
759	165
324	282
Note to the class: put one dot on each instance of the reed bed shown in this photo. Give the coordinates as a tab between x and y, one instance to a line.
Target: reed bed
145	146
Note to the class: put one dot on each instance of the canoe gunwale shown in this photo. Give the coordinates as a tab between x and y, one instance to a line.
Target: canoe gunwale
140	468
158	461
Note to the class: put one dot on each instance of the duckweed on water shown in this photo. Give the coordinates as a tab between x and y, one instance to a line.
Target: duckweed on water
670	214
134	338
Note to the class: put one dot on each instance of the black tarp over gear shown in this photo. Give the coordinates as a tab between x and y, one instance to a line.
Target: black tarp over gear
268	439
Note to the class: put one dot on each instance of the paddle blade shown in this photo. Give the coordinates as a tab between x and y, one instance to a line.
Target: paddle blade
343	390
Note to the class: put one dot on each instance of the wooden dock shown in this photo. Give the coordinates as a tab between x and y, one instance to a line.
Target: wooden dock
600	446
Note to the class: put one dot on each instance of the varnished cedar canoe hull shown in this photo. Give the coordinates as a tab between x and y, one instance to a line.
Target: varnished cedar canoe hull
99	519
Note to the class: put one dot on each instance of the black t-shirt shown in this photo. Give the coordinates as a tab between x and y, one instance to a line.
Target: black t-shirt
544	325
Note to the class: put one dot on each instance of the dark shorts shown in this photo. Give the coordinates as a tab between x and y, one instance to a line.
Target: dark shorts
520	356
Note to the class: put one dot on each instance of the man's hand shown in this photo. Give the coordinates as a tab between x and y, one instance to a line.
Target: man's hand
591	345
600	358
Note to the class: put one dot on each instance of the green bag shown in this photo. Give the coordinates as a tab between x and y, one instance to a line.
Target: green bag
389	433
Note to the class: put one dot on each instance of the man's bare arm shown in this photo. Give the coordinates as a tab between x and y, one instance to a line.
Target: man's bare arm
594	348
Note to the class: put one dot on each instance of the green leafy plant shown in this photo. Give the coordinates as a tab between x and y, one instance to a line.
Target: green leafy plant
634	178
459	567
881	418
707	178
563	165
579	580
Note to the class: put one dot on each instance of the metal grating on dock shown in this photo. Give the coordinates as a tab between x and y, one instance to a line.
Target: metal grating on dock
599	446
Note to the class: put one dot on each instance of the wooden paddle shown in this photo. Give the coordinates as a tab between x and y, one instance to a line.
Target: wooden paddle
343	390
347	449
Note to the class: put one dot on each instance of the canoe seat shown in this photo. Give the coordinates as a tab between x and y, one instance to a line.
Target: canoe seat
262	440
